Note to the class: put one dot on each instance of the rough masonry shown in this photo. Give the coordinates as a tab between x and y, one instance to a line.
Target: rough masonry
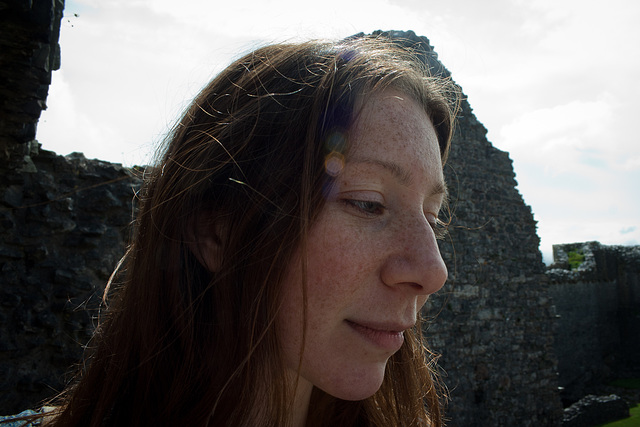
63	220
598	302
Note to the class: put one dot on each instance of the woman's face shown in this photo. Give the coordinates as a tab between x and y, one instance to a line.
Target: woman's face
372	257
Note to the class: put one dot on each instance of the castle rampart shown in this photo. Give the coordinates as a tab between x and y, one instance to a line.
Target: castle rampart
596	291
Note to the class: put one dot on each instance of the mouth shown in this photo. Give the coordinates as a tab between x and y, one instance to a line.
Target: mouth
389	337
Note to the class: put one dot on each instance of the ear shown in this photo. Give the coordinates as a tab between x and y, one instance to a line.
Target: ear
205	238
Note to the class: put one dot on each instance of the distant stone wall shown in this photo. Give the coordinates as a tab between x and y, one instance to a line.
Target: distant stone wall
63	229
598	304
29	52
494	319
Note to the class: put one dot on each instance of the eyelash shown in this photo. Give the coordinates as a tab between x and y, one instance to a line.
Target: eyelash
440	228
367	207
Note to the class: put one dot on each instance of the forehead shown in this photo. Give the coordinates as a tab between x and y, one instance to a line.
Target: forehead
392	126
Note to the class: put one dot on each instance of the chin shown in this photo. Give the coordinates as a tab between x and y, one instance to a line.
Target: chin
358	385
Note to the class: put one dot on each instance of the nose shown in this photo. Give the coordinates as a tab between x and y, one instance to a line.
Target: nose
414	263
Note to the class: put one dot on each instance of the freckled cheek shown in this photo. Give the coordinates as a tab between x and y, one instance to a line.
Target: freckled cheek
339	267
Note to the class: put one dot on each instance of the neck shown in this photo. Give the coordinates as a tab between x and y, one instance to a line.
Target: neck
301	402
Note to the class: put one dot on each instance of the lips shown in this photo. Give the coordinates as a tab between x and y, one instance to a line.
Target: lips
387	336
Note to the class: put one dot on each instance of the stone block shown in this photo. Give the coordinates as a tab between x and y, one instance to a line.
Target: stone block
595	410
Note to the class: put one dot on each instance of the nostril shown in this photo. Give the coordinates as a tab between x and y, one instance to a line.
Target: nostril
416	286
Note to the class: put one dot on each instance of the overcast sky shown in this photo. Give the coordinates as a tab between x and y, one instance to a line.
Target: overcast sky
554	82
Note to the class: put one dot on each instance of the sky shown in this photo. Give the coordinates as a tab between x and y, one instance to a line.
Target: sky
553	81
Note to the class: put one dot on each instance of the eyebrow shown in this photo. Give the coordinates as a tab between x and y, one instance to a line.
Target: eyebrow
403	176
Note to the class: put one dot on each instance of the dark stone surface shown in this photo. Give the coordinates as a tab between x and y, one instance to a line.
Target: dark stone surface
64	228
591	411
598	304
29	52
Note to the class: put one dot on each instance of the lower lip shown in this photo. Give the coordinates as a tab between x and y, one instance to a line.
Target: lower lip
388	340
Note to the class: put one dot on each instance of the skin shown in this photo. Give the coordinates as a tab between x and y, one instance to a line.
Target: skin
372	257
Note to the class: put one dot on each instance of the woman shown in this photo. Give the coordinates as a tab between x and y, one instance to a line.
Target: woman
284	246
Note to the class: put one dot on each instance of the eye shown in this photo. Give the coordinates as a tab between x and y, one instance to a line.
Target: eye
367	207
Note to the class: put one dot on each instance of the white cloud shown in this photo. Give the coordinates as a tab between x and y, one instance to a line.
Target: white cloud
284	19
569	138
627	230
60	122
75	129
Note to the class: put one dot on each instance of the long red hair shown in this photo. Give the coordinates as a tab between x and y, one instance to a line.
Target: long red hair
180	345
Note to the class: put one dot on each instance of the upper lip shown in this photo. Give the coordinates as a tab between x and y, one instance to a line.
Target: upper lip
383	326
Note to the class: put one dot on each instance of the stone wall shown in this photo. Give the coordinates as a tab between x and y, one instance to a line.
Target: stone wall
495	320
64	225
63	220
63	228
29	52
598	304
